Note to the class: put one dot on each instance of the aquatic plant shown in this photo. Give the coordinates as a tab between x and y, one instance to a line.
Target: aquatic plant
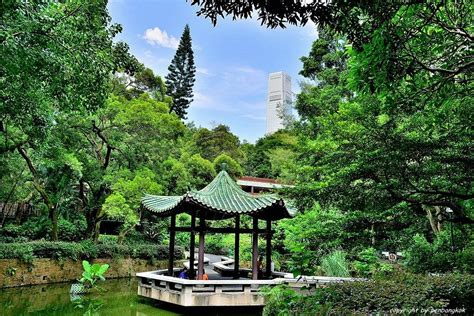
92	273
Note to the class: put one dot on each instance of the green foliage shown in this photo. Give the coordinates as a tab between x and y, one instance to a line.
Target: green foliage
176	178
404	291
124	202
40	228
310	235
281	300
27	251
219	140
92	273
144	81
381	133
72	230
180	79
218	244
368	264
201	171
423	256
231	166
335	264
57	57
273	156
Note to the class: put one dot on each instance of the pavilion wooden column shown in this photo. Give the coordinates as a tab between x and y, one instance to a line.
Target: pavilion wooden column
255	249
237	247
202	226
192	245
268	252
171	249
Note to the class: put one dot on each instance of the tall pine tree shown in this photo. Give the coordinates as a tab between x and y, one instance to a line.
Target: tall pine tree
180	79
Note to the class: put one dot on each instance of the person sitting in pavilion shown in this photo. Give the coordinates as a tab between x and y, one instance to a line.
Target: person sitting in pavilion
204	276
260	267
184	274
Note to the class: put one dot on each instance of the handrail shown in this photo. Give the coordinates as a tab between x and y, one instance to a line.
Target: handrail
159	275
156	275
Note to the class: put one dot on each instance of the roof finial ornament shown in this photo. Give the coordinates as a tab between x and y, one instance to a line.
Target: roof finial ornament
223	166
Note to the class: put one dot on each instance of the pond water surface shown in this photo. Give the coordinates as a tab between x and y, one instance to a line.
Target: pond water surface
119	297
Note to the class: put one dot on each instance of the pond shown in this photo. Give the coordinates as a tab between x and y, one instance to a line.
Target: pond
118	298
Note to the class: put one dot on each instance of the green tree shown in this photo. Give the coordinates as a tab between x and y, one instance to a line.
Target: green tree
230	165
175	177
395	148
355	18
143	81
57	59
125	135
201	171
124	202
219	140
311	235
180	79
271	156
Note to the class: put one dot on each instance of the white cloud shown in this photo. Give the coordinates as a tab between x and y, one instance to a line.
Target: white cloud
155	36
254	117
201	100
244	79
159	65
311	30
203	71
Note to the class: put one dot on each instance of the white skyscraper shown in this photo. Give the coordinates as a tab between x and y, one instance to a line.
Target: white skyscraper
279	100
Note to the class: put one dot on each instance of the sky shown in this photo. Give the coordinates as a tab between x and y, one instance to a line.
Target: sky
233	59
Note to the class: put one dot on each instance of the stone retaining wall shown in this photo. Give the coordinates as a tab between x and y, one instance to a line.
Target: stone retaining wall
16	273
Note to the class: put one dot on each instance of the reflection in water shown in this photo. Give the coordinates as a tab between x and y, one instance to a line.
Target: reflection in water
118	298
90	306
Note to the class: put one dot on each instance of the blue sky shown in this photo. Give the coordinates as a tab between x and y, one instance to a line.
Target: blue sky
233	59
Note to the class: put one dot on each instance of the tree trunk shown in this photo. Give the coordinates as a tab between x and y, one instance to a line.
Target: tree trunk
435	220
121	235
97	219
95	216
53	214
42	191
82	196
439	217
372	232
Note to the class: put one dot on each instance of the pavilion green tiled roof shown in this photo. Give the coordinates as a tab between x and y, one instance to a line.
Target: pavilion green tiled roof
222	198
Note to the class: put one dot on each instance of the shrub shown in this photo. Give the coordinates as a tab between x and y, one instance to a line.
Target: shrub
26	252
368	264
335	264
33	228
216	244
72	230
402	291
423	256
311	235
40	228
108	239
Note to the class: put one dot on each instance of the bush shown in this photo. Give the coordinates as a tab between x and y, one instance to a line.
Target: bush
403	291
26	252
216	244
72	230
368	264
40	228
423	256
33	228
